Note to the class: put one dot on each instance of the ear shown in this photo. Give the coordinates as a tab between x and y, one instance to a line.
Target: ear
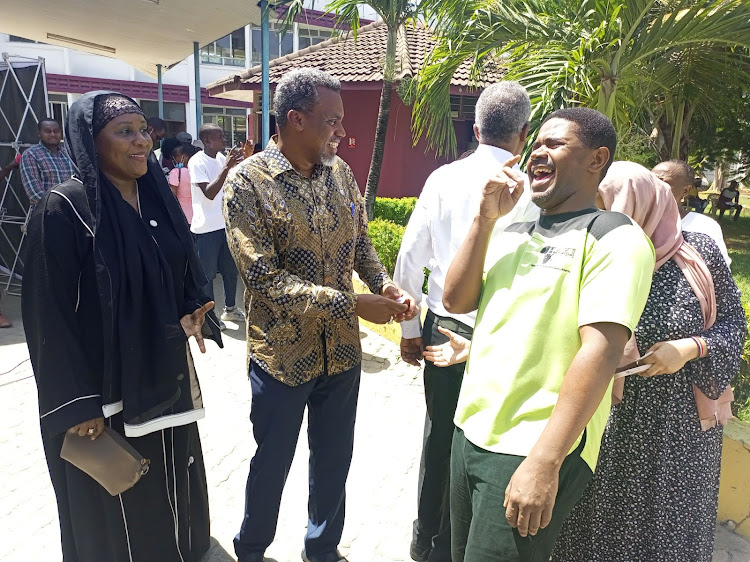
685	191
296	119
599	159
523	134
476	132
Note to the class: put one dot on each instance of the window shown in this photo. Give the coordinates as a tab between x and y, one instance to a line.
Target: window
174	115
278	45
229	50
312	36
462	107
58	109
231	120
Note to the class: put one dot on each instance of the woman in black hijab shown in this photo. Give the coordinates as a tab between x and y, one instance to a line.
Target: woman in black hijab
110	297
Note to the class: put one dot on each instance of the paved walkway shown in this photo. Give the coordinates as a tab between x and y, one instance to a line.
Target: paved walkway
381	500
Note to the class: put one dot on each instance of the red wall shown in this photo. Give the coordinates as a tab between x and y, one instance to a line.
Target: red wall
405	168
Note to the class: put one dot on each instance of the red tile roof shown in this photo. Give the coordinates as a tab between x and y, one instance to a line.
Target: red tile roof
351	60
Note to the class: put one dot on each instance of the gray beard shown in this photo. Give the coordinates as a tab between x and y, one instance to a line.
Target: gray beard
327	160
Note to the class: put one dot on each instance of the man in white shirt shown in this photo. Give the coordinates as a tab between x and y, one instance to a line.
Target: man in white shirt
436	230
208	172
680	177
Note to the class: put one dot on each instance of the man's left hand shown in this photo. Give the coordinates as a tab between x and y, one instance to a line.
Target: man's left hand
530	496
192	324
394	293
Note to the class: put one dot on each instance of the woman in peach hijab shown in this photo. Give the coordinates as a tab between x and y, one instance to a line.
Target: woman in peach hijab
655	491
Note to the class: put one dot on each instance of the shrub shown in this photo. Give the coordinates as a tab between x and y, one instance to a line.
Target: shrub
386	237
394	210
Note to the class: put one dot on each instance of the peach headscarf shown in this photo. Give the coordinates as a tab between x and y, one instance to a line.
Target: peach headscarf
631	189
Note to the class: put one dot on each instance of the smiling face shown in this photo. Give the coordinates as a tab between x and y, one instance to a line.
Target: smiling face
561	168
123	146
323	128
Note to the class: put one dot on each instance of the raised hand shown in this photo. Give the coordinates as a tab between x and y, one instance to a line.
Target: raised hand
192	323
502	191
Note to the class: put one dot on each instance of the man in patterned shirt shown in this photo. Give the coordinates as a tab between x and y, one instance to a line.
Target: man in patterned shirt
297	228
44	165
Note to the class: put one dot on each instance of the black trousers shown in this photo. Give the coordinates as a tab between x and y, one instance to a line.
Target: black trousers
441	388
480	532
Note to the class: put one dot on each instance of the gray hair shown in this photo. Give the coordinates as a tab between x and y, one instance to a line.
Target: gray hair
298	90
502	111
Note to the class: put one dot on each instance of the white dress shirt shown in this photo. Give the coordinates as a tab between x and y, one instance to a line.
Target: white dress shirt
697	222
440	223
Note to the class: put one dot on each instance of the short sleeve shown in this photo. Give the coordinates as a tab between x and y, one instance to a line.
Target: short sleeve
198	172
616	275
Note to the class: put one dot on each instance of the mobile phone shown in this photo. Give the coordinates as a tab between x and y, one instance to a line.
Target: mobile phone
632	371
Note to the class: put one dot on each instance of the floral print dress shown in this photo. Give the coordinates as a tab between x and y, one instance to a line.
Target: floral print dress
655	491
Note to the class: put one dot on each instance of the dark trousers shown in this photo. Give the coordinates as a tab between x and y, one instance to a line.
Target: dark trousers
213	252
441	388
480	532
276	415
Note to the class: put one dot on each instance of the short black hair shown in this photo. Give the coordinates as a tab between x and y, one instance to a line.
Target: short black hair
683	168
157	123
594	129
168	146
46	120
734	184
207	129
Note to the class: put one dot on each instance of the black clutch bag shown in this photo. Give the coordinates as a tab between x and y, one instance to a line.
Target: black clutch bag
109	459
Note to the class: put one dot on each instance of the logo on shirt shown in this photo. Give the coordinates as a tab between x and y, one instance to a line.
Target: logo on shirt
549	251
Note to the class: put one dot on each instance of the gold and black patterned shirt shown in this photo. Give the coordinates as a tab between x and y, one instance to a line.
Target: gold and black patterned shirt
296	241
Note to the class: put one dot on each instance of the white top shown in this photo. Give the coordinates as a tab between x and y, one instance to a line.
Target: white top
440	223
208	215
697	222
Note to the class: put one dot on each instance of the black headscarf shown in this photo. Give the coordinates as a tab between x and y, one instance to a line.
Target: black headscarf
145	356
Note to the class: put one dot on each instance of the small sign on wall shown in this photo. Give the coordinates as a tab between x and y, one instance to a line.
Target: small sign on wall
352	142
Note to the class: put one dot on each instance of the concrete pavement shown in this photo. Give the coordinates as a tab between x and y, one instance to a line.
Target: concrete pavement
381	502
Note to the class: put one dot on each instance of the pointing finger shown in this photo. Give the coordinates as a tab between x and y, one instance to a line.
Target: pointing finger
513	161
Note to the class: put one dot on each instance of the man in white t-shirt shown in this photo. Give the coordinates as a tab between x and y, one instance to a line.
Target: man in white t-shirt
208	171
680	177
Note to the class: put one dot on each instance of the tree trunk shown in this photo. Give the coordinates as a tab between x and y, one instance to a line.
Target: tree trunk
607	97
677	131
378	150
384	111
720	176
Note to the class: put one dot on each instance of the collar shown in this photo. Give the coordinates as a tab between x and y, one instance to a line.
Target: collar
278	163
487	151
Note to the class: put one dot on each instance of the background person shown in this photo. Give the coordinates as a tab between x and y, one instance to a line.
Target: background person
298	229
157	130
46	164
557	300
107	332
655	492
436	229
729	200
179	176
208	171
680	177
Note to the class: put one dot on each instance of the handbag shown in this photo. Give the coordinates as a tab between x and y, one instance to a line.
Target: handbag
109	459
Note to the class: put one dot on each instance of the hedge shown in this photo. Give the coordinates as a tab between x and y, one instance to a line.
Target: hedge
397	211
386	237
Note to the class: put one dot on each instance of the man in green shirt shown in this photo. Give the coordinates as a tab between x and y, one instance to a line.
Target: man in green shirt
556	301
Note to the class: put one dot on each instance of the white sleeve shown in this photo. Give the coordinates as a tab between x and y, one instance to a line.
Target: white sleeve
718	237
198	172
415	254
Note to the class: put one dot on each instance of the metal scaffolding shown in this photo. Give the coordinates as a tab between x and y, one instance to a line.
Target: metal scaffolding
23	102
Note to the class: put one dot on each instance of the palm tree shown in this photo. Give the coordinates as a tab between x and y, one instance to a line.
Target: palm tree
619	57
395	14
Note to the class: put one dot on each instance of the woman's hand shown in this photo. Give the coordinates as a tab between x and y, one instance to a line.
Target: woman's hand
192	324
92	428
668	357
455	350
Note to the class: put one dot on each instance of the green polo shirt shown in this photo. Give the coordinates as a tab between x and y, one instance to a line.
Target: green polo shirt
542	282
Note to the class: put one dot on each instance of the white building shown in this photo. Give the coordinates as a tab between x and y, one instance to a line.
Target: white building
71	73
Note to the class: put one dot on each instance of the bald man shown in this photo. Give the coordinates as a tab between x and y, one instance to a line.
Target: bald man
680	177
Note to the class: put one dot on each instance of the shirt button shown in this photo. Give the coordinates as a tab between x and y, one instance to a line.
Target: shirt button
152	222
